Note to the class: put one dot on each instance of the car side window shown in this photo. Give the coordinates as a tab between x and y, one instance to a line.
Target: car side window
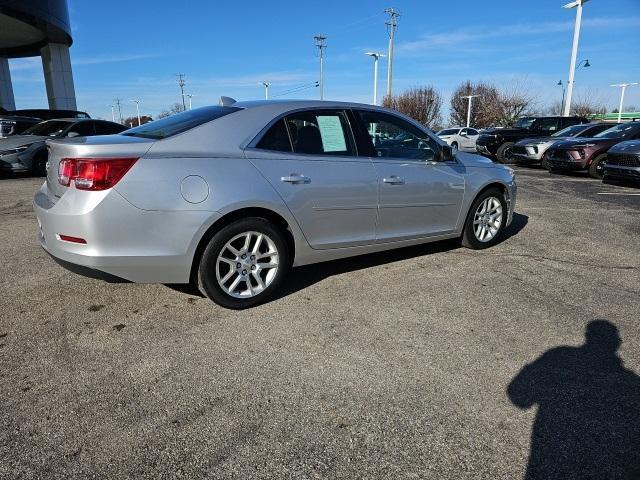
83	129
276	138
393	137
321	132
472	132
103	128
546	124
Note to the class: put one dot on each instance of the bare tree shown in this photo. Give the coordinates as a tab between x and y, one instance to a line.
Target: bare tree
485	107
133	121
423	104
175	108
515	102
588	103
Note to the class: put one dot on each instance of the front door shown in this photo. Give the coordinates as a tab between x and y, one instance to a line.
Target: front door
419	195
309	158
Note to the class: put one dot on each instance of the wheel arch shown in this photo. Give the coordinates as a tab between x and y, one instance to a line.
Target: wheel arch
238	214
493	184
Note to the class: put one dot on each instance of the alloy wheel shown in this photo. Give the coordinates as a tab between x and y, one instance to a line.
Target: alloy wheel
247	264
487	219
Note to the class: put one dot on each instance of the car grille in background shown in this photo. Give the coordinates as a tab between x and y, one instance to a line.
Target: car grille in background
559	155
623	160
519	149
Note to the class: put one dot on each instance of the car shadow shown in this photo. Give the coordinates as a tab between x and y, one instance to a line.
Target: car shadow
588	420
307	275
302	277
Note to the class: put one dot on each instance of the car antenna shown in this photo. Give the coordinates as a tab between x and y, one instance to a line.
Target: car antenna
226	101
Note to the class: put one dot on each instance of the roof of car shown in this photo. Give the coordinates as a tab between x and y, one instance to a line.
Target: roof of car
299	104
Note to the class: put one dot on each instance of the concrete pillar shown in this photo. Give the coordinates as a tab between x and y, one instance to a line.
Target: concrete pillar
58	76
7	101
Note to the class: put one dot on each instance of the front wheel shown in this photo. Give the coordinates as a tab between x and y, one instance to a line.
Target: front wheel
596	169
486	220
244	264
454	147
505	153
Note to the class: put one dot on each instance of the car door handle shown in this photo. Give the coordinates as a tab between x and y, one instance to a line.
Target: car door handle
295	179
393	180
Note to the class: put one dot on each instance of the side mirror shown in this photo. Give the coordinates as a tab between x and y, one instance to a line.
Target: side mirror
463	134
446	153
73	134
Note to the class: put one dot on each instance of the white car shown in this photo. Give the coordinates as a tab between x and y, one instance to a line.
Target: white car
460	138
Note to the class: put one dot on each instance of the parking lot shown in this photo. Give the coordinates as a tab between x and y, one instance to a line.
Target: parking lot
393	365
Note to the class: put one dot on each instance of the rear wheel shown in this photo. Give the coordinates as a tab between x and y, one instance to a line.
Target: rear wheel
244	264
545	163
596	169
505	153
486	220
39	165
454	147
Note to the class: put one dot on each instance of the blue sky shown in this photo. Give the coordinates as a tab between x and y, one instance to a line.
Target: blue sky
132	50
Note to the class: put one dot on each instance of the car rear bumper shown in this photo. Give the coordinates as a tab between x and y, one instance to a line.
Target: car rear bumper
123	242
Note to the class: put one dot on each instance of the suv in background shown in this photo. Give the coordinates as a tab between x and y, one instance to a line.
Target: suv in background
15	122
532	150
623	162
590	153
498	142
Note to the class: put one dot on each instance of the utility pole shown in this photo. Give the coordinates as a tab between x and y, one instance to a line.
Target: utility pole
266	90
376	56
469	108
560	84
392	26
181	84
137	102
577	4
319	38
624	87
117	100
113	113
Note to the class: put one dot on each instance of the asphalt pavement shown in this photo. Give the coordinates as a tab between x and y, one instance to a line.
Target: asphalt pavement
404	364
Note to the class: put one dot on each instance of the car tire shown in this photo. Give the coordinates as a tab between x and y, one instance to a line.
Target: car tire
229	256
504	153
596	169
454	147
39	164
545	163
479	222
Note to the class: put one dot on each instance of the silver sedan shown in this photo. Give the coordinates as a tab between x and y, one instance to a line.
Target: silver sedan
230	197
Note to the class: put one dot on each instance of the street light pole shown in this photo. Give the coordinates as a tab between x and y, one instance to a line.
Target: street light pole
137	102
574	51
266	90
113	114
469	108
624	87
561	104
376	56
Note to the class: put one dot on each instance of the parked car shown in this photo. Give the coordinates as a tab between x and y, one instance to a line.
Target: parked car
531	150
498	143
28	153
230	197
590	153
623	162
460	138
15	122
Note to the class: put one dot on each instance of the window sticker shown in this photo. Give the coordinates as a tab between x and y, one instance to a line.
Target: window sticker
332	134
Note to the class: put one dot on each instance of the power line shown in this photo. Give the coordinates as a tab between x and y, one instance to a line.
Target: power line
297	89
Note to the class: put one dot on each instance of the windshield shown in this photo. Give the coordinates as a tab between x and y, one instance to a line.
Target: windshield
50	128
448	131
570	131
524	122
623	130
178	123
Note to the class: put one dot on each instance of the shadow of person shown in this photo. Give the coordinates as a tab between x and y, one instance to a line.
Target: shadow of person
588	420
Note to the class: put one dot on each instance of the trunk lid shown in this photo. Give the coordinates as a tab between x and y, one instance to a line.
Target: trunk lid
89	147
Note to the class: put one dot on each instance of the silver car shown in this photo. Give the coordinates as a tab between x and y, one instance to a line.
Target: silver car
230	197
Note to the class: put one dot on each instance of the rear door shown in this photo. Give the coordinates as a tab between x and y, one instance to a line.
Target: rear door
310	158
418	195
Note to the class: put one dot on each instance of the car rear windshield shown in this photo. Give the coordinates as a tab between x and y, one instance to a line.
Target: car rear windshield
178	123
51	128
448	131
623	130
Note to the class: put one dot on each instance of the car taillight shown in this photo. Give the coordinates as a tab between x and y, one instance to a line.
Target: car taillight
93	173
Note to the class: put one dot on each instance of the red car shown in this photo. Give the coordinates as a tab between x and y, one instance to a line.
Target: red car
589	153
